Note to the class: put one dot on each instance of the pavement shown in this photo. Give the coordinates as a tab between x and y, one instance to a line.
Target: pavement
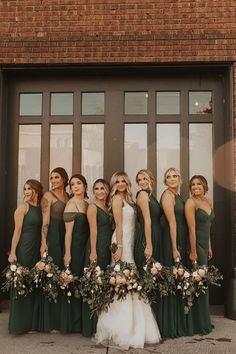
222	340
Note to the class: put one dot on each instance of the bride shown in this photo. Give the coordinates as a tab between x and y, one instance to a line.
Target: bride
129	322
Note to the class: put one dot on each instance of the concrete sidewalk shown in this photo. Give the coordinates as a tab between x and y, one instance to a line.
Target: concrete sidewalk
222	340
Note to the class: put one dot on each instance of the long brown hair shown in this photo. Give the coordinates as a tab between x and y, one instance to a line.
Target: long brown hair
36	186
62	172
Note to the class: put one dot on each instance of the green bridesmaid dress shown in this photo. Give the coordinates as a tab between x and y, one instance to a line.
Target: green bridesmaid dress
71	313
27	252
51	312
199	316
104	234
174	321
139	246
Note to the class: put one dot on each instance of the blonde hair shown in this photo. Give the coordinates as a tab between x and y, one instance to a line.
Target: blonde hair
176	171
113	193
148	174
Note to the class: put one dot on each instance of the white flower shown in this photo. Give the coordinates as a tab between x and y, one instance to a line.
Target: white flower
158	266
145	268
13	267
129	287
44	254
98	268
49	275
195	274
67	271
201	272
154	271
186	274
69	293
139	288
117	268
178	287
135	285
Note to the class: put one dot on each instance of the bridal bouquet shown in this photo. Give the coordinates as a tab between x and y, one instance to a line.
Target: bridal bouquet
68	284
18	279
157	280
46	275
93	288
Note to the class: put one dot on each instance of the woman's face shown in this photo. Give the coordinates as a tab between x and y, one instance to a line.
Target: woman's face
56	180
29	192
77	187
197	189
121	185
172	180
100	191
143	182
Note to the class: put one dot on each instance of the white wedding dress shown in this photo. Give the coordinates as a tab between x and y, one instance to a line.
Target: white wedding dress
129	322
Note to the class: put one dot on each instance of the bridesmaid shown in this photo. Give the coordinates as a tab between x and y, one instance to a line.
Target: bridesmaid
25	250
53	238
148	242
100	241
174	250
77	234
199	215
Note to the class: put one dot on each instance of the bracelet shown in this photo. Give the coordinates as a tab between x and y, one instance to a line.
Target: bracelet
119	245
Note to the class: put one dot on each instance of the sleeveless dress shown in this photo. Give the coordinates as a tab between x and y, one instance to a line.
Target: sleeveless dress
104	233
174	321
51	312
156	235
71	313
127	323
27	252
199	317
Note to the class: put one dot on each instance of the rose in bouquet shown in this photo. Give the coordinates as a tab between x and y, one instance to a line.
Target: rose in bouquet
18	279
157	280
46	275
68	284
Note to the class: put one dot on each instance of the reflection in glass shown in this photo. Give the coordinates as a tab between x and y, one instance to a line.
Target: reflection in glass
93	103
28	156
200	102
168	151
135	151
61	146
200	153
136	102
31	104
61	104
92	153
167	103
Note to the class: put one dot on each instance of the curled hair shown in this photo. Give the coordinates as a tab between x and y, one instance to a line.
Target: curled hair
36	186
148	174
62	172
83	180
176	171
128	193
202	180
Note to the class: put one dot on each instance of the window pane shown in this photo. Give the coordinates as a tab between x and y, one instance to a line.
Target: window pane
167	103
200	102
92	153
28	156
200	153
168	151
135	151
93	103
136	102
31	104
61	104
61	146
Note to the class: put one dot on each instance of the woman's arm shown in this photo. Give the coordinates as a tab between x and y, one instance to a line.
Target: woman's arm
46	209
190	217
168	203
19	215
92	220
143	203
117	205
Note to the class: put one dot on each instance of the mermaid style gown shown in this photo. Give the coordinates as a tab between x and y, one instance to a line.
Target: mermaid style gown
21	316
199	321
127	323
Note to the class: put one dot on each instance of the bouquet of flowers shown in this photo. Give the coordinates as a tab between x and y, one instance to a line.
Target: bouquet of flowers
18	279
157	280
46	275
68	284
93	288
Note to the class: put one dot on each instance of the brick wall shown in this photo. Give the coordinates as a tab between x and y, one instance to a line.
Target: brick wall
112	31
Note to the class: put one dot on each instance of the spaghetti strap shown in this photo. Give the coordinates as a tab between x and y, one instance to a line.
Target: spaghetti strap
54	195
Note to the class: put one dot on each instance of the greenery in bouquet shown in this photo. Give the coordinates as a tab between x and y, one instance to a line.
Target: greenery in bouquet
17	279
157	280
93	288
46	275
69	284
